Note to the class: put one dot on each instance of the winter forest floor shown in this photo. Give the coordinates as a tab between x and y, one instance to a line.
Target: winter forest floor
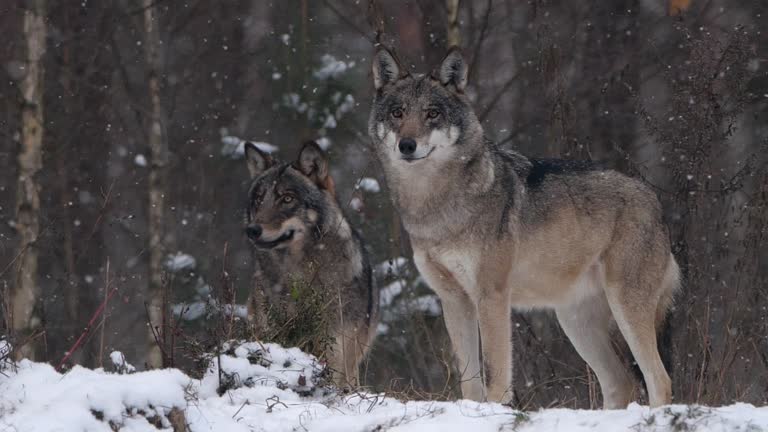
264	387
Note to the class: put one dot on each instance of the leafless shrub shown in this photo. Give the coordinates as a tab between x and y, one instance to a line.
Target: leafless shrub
712	190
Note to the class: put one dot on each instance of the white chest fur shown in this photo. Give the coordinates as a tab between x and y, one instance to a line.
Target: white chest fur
461	264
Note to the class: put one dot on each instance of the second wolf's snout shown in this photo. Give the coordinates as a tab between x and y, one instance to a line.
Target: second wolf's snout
407	146
253	231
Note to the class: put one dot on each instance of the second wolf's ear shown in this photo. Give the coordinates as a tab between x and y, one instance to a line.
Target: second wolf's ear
313	164
386	68
454	70
257	160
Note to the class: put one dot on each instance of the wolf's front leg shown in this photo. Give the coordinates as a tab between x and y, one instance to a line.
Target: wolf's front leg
460	316
460	319
496	337
257	315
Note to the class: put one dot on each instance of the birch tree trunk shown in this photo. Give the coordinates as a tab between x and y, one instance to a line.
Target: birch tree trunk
25	316
453	35
157	186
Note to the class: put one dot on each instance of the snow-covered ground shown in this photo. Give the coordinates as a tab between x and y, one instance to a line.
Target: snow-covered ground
268	388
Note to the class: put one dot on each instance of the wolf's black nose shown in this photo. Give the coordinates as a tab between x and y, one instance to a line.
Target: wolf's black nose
253	232
407	146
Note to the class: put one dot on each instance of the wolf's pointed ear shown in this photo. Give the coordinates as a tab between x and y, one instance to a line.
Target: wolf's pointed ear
386	68
257	160
313	164
454	70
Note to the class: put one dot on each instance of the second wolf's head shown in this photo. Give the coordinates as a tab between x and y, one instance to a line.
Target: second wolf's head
288	202
422	120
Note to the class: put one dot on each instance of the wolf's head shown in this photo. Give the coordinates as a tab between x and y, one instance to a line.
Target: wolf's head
422	119
287	202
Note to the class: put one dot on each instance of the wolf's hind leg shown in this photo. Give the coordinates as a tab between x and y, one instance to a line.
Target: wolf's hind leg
587	324
344	359
634	289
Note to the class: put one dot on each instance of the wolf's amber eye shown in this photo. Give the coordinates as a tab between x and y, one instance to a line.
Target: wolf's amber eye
433	114
397	113
286	199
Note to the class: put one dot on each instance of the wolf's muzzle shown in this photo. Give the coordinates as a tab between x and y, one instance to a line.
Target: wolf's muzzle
407	146
253	232
411	158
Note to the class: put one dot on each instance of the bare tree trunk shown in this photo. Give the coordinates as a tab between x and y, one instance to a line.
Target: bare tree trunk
453	35
71	285
157	185
25	317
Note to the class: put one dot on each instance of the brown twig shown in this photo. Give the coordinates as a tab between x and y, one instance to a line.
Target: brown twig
351	23
479	44
155	332
79	341
497	97
104	320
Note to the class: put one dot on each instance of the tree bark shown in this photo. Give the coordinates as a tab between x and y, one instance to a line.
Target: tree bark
453	35
26	319
72	291
157	186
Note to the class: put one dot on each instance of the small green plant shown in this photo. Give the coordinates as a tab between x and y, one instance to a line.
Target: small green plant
303	318
518	419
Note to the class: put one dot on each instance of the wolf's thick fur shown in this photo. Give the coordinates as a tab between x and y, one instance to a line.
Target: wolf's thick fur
299	233
492	229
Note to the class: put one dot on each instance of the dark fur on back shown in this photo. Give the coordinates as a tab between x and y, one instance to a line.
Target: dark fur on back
541	168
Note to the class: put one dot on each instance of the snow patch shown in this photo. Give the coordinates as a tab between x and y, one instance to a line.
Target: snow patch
250	364
265	387
427	304
390	267
121	365
190	311
330	122
140	160
5	354
369	185
294	102
356	204
179	262
330	67
388	293
34	397
346	106
234	147
324	143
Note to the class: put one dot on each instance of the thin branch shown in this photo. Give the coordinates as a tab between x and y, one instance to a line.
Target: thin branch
85	332
375	20
143	8
351	23
155	332
479	44
104	320
497	97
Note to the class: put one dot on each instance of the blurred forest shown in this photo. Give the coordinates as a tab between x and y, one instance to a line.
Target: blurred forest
123	186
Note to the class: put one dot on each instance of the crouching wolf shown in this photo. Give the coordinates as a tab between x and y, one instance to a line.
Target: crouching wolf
305	249
492	229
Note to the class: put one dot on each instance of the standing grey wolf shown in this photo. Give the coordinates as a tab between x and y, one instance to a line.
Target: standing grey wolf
492	229
304	246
